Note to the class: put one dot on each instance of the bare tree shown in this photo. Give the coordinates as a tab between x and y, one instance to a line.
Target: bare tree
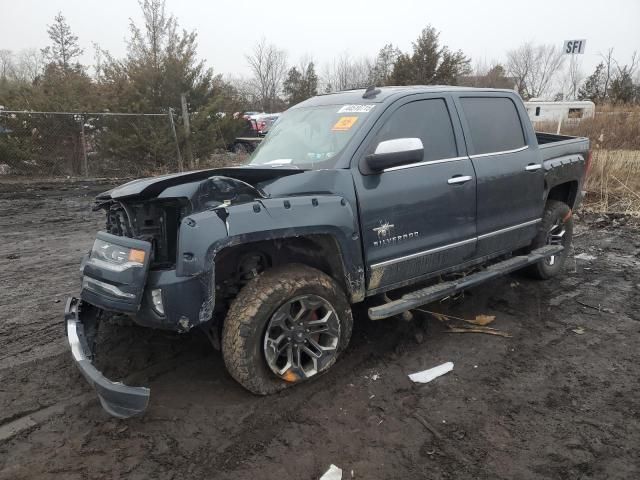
574	77
488	75
534	67
629	67
608	60
269	67
6	64
345	73
29	64
247	92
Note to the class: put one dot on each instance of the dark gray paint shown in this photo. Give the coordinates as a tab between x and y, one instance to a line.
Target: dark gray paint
348	203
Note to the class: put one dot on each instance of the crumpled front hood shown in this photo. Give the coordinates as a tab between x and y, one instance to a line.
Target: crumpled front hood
151	187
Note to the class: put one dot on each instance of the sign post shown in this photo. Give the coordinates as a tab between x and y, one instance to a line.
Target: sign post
573	48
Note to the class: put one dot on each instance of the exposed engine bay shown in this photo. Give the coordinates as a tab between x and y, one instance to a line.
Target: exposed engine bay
157	220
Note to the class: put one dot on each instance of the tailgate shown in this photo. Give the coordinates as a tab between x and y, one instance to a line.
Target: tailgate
115	272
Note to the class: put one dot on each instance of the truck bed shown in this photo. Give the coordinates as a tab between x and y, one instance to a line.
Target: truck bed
552	145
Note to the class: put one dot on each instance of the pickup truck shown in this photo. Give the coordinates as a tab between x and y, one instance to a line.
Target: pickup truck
379	195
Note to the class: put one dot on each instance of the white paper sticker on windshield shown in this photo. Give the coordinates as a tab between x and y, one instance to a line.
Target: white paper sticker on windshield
356	108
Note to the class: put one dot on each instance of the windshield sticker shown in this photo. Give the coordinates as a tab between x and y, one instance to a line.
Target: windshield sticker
356	109
344	124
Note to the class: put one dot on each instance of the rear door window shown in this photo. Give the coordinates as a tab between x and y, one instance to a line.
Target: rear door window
427	120
494	124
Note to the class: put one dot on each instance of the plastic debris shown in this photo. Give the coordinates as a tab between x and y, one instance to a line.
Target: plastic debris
578	330
427	375
334	473
585	256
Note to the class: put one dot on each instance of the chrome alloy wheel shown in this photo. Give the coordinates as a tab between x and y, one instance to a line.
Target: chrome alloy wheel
555	237
302	338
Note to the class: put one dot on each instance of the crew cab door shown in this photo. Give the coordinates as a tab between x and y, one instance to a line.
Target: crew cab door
417	218
510	177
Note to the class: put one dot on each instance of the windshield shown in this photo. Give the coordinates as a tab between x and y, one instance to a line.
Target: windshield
311	137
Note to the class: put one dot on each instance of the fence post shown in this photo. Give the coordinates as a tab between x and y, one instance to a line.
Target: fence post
85	162
187	130
175	137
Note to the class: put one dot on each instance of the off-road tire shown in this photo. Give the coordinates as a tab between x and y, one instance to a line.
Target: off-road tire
554	211
249	314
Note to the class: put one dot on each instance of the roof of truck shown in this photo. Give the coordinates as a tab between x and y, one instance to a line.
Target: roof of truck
355	96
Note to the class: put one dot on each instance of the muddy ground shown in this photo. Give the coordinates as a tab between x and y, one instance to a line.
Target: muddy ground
559	399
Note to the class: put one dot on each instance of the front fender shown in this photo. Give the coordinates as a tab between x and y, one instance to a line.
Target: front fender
203	235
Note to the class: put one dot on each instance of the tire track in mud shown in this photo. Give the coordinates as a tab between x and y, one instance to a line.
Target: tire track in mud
558	405
43	233
259	429
24	421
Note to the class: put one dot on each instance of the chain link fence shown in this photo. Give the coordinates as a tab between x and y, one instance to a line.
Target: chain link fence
51	144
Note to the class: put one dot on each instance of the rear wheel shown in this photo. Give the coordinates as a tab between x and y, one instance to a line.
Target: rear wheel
285	326
556	228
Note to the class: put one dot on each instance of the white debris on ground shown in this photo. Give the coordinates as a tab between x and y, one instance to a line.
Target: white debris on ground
585	256
426	376
334	473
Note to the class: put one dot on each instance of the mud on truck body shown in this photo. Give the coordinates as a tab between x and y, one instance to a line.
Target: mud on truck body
351	196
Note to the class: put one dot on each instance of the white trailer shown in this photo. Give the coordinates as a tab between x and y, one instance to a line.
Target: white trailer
565	112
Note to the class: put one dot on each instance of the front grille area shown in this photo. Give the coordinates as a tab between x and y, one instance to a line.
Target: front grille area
156	222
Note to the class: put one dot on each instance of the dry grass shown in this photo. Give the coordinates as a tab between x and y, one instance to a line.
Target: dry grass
613	184
612	128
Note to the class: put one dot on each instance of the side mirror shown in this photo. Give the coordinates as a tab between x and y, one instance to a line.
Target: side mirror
396	152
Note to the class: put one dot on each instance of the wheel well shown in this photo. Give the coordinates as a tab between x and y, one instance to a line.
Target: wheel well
564	192
236	265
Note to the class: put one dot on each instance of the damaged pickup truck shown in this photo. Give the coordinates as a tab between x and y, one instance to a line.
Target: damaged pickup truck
377	194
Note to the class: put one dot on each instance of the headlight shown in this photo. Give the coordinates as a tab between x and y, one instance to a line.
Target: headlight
115	257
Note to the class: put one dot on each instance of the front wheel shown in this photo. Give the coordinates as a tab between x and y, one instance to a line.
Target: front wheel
285	326
556	228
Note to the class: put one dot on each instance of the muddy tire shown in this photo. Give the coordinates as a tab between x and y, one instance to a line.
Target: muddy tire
286	326
556	228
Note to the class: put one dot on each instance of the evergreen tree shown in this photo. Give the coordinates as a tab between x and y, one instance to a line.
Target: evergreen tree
292	86
594	86
622	89
64	46
384	63
161	64
298	86
430	62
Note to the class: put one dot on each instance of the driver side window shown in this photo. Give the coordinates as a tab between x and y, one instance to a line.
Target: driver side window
427	120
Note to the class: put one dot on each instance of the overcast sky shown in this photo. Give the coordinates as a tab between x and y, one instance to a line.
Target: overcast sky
227	30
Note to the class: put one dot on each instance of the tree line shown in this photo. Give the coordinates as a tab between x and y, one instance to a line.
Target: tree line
162	65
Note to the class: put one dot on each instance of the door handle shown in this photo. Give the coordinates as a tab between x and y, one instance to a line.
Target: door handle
458	179
532	167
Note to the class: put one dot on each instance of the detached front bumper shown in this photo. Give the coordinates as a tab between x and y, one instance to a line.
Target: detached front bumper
117	399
